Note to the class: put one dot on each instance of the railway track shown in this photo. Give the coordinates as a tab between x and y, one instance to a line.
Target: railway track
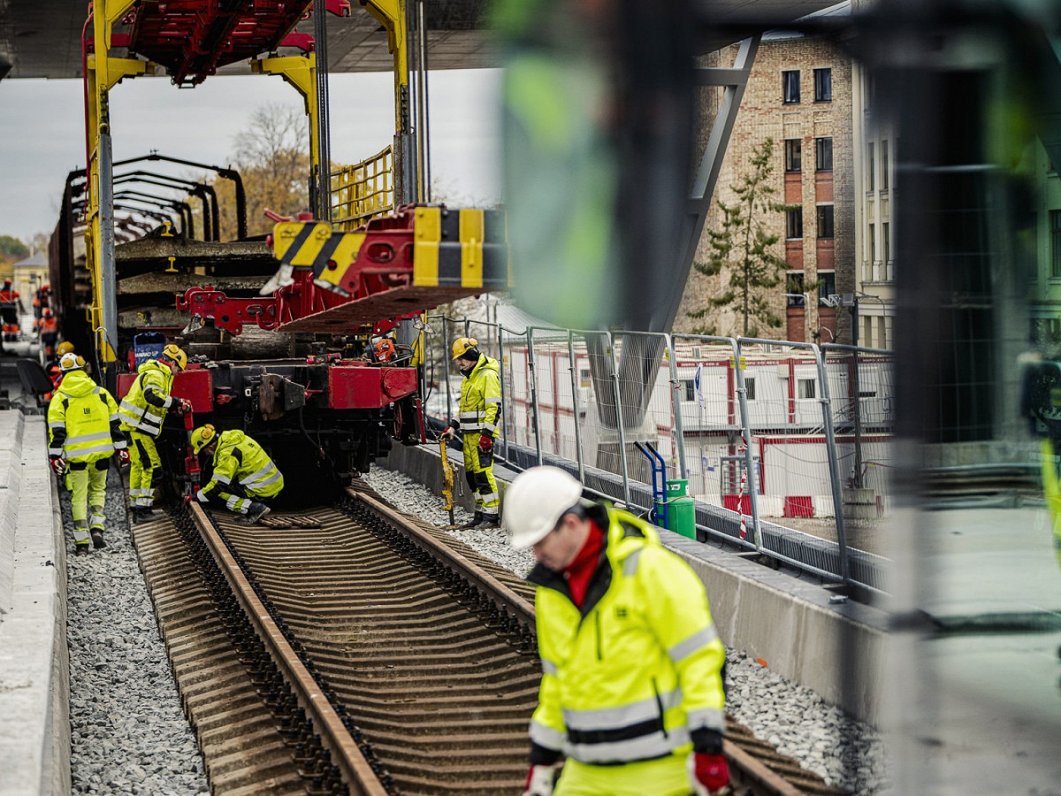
363	651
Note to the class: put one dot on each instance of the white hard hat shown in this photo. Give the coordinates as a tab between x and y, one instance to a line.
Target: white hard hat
536	501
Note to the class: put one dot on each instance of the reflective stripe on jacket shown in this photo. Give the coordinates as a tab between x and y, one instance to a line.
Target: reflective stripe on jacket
480	401
83	424
144	406
637	669
240	460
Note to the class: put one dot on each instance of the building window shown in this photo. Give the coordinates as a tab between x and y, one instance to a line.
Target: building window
794	223
824	150
825	221
826	285
870	167
805	388
885	243
1055	243
884	165
749	386
823	85
690	389
790	86
793	148
584	378
872	242
794	289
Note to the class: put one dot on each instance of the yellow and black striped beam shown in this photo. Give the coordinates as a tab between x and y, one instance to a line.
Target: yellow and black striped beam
313	245
460	248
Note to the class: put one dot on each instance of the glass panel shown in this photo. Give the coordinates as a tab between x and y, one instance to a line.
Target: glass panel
790	86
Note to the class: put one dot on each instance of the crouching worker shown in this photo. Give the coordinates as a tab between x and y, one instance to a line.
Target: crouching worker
243	475
84	430
631	689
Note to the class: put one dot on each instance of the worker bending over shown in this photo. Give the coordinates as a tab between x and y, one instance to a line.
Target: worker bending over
480	416
631	688
243	474
143	412
83	432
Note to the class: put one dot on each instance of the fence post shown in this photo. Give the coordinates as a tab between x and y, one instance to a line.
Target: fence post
676	407
746	432
573	370
501	369
446	366
834	465
534	393
619	419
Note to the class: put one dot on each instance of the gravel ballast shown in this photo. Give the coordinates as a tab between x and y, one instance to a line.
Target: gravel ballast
794	719
128	731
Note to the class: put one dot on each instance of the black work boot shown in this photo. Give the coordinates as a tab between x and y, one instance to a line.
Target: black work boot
97	538
81	549
255	512
491	521
475	520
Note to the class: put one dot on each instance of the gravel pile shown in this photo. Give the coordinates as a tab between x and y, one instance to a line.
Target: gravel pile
792	718
128	731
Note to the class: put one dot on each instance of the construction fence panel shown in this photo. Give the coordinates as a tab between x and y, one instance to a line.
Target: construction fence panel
863	405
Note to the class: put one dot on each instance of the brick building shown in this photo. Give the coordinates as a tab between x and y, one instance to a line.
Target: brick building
798	94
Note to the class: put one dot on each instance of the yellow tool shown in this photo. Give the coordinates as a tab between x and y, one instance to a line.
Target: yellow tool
447	478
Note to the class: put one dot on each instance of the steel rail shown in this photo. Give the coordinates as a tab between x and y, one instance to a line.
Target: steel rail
500	594
346	756
752	772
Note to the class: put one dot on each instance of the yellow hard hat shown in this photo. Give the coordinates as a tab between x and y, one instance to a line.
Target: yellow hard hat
176	355
65	347
462	345
202	437
71	361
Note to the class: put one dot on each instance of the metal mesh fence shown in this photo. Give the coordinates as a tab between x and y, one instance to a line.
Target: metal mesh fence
749	424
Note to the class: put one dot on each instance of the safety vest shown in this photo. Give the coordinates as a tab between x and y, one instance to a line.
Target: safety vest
83	424
135	411
480	401
638	668
239	459
49	325
8	296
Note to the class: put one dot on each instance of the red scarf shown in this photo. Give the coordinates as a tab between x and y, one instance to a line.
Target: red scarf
579	572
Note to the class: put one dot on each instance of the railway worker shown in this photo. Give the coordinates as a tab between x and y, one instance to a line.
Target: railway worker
632	684
243	474
143	412
10	304
49	332
83	432
480	415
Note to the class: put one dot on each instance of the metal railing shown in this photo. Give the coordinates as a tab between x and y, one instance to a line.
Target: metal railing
768	433
363	190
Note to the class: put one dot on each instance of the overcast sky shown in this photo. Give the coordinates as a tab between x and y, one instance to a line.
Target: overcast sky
42	131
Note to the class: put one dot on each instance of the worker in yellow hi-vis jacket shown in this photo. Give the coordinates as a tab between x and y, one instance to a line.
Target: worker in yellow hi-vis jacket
83	432
478	423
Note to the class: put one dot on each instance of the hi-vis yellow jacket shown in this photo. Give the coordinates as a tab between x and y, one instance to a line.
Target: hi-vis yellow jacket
144	407
240	460
83	421
637	669
480	401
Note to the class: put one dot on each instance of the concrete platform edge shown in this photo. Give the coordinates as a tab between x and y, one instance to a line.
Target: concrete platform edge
764	613
34	660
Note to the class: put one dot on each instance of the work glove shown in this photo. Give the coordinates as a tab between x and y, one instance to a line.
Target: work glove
449	433
486	443
540	779
58	464
183	406
708	774
123	456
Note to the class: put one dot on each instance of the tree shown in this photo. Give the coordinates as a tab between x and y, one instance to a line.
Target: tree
272	157
12	249
743	248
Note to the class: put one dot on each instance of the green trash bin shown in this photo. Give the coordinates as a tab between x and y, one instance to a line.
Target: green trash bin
681	509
